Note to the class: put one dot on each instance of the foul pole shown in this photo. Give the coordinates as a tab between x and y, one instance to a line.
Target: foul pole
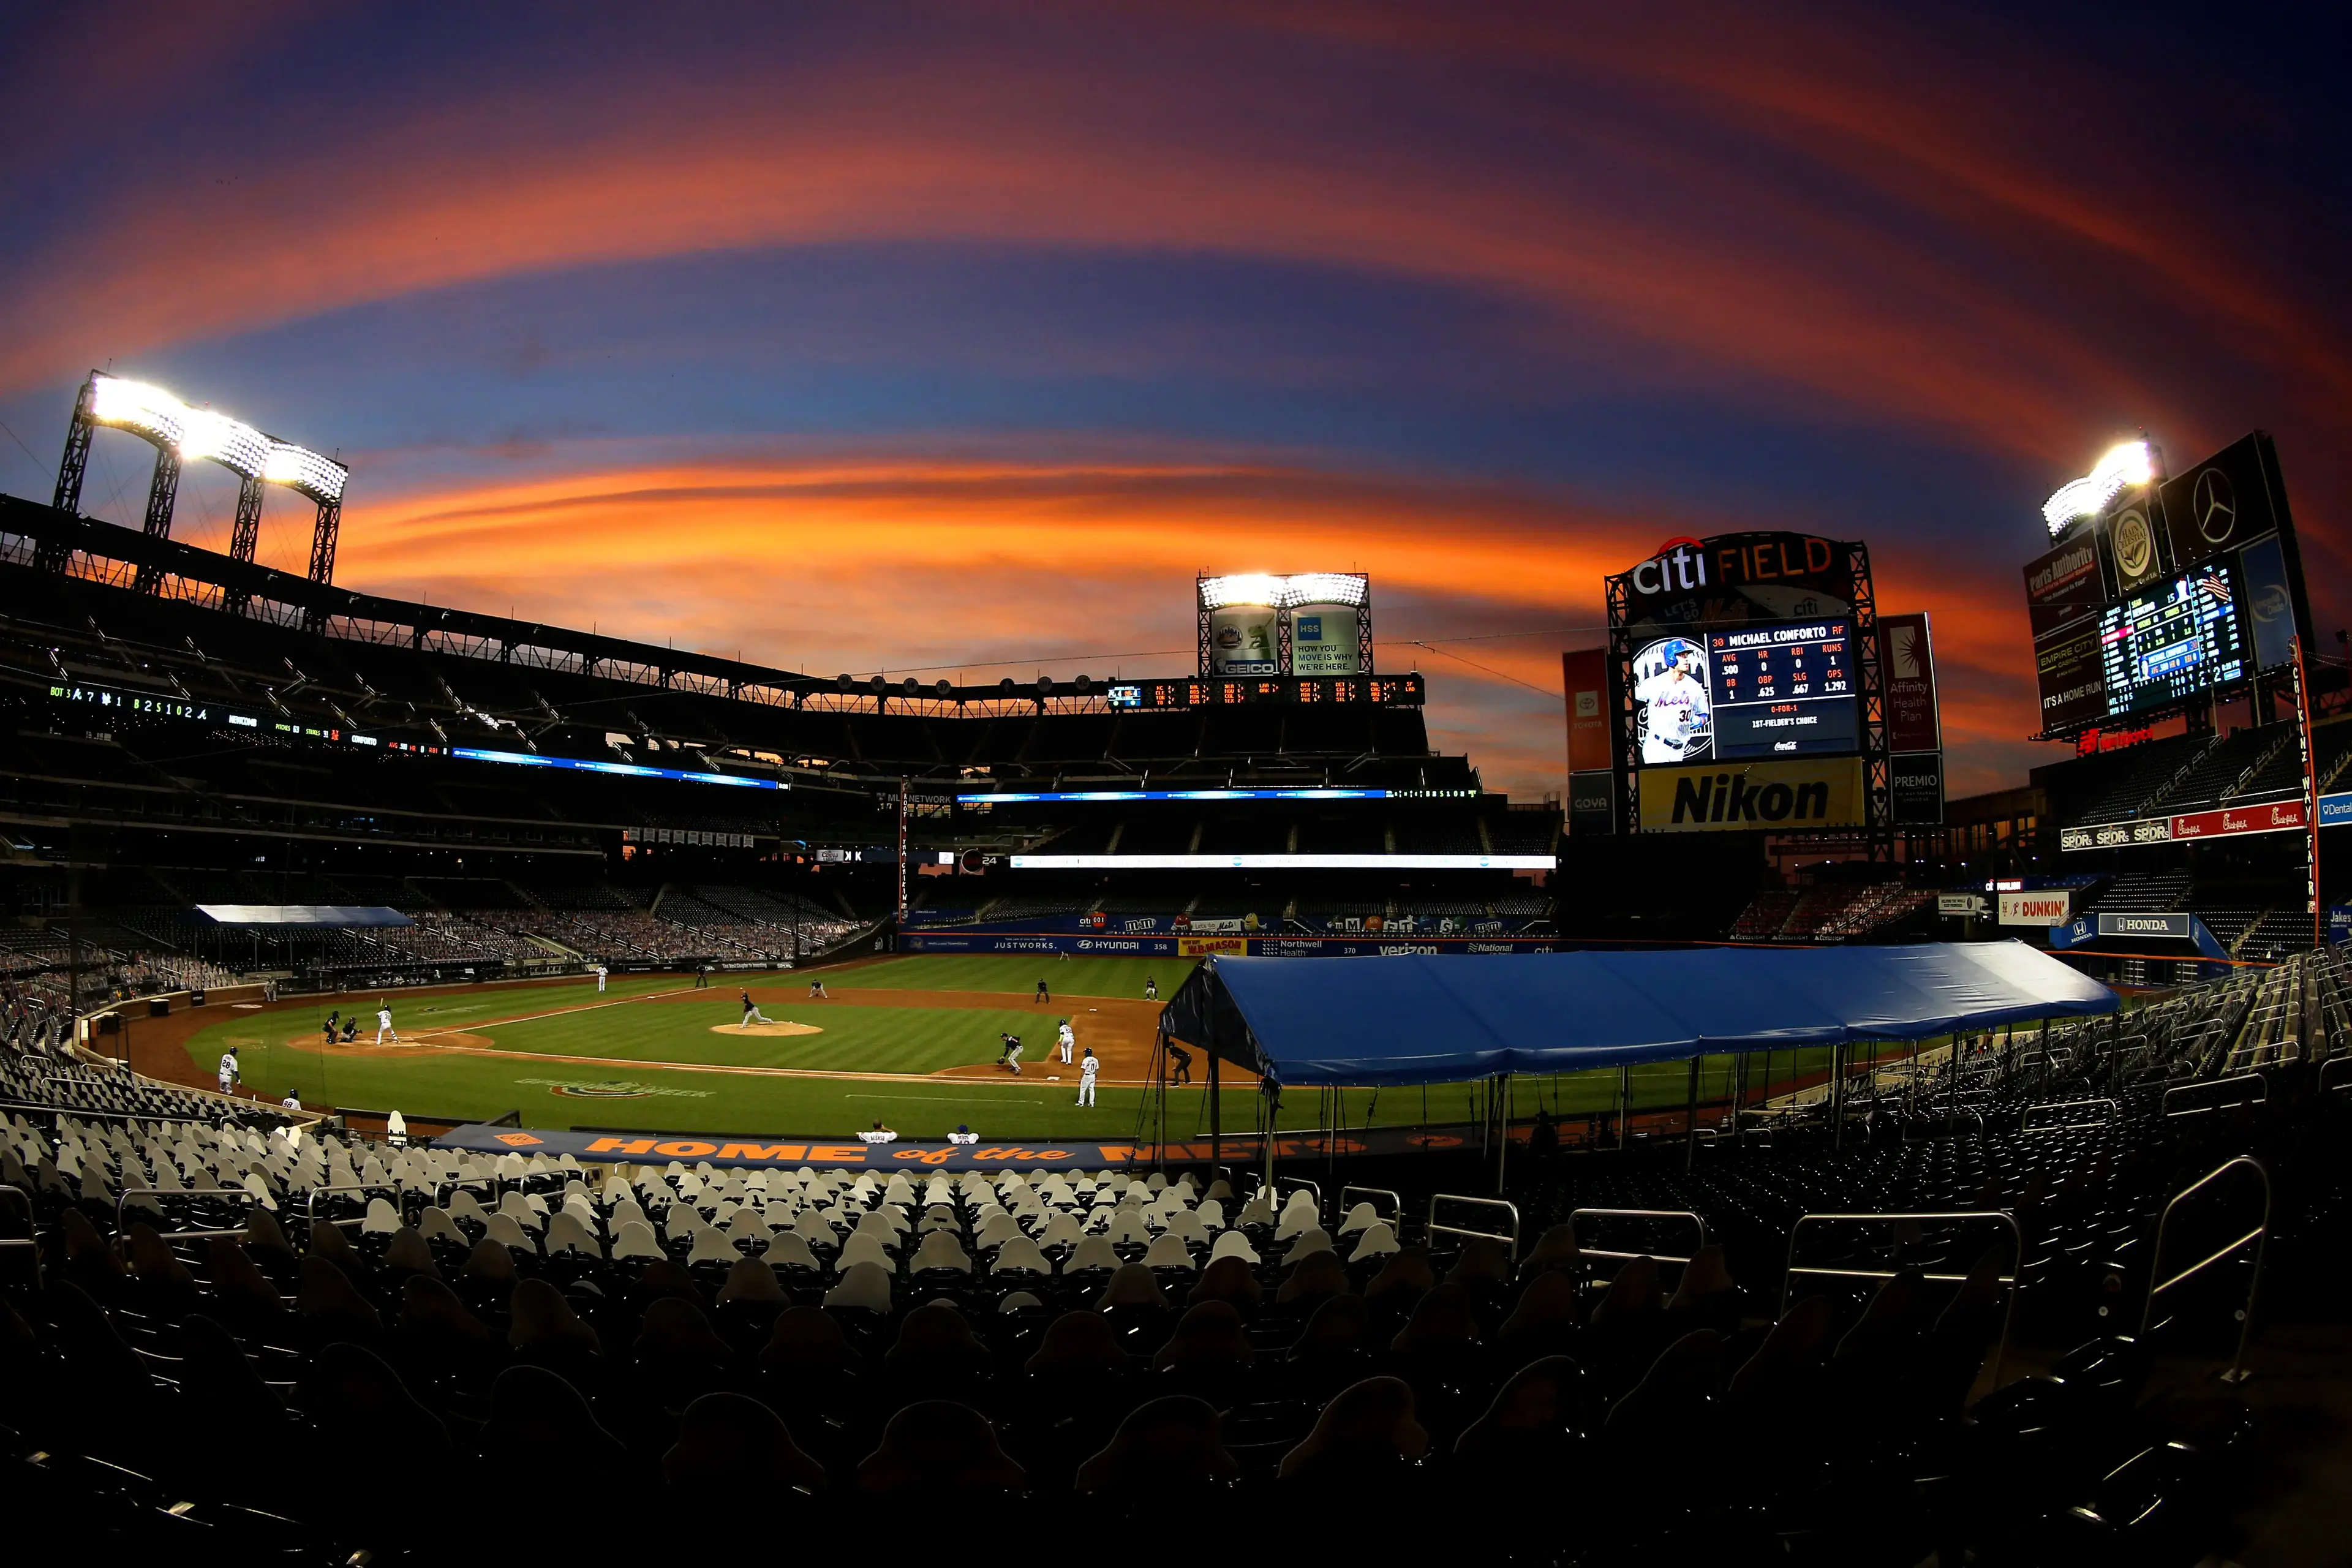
2310	800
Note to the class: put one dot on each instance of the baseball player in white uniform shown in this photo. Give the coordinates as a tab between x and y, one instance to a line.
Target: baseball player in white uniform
228	1071
1067	1041
1676	706
383	1025
1089	1066
600	980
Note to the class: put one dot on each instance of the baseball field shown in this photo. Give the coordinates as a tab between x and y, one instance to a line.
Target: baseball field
913	1042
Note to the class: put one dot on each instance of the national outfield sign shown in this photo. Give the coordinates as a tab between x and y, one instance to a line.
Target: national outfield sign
1794	793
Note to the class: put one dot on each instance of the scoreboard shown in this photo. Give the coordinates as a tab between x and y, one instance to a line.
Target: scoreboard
2172	592
1782	691
2178	641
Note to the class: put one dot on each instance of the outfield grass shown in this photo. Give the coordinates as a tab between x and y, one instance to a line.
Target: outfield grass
620	1032
1017	975
855	1040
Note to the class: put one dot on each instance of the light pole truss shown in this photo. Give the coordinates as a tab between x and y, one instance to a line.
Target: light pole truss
180	433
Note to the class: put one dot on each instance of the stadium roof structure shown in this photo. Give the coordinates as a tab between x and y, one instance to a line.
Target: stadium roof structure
1416	1018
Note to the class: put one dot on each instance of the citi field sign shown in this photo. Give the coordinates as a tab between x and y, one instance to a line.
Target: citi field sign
1726	565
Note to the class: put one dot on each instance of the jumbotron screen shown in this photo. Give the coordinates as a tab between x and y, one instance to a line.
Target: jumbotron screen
1774	691
1783	690
2171	643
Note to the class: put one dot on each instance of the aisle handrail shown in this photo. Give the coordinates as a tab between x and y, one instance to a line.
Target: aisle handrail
31	1239
1431	1228
2259	1235
1698	1223
2000	1217
2026	1122
390	1185
2254	1090
122	1205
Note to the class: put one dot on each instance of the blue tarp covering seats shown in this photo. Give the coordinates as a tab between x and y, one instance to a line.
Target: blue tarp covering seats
1421	1019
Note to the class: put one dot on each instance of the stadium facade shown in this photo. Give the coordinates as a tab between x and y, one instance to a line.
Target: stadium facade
197	735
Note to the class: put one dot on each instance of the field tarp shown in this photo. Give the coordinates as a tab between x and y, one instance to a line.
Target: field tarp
1413	1019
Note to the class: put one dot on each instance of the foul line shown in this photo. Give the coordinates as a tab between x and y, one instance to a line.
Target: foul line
949	1098
559	1012
617	1062
423	1035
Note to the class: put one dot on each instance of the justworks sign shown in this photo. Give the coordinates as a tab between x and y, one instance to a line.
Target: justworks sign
1783	793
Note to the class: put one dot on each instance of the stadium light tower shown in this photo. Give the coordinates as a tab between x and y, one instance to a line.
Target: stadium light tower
179	434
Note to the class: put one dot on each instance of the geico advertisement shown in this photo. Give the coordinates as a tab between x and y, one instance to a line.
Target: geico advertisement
1777	793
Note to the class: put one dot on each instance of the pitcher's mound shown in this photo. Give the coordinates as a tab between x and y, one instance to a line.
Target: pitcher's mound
769	1031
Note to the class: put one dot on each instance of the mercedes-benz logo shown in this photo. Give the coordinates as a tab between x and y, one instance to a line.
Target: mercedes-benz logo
2216	506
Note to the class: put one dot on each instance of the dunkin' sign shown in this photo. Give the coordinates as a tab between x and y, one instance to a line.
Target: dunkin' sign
2048	906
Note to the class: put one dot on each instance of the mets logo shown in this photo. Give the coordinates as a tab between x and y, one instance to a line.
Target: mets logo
517	1140
611	1089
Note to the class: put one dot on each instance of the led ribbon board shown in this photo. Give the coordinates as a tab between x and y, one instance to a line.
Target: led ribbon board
1282	862
626	770
1043	797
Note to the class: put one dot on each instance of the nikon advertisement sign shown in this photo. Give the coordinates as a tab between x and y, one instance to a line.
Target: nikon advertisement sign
1752	797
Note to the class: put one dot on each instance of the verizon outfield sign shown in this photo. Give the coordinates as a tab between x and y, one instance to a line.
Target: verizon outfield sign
2048	906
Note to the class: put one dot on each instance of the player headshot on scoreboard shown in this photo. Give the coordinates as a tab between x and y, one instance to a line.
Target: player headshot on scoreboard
1670	686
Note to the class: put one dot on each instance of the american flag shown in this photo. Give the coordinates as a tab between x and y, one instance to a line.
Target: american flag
2216	587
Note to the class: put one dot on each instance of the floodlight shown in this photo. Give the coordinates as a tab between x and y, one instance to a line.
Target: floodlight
231	443
1241	588
2126	464
300	469
1325	588
134	406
